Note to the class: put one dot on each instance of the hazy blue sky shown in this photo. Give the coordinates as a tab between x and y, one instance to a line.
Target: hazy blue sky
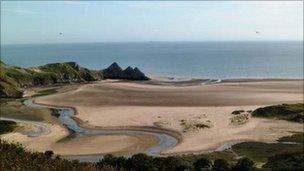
80	21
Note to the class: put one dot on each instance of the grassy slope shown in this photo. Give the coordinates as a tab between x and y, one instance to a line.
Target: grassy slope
15	157
297	138
290	112
286	161
16	110
260	152
13	79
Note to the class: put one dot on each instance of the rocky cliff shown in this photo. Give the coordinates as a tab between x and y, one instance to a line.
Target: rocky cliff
114	71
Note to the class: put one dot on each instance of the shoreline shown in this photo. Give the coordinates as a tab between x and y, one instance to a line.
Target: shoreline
86	102
242	79
121	104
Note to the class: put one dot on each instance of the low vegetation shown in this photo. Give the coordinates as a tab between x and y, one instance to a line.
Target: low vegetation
237	112
286	161
7	126
45	92
17	110
260	152
290	112
195	125
55	112
296	138
239	119
15	157
13	80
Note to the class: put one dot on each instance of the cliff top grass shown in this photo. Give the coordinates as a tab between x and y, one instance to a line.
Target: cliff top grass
14	79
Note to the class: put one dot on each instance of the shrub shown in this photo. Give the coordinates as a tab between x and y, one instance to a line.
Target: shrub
202	164
49	153
221	165
140	162
244	164
7	126
291	112
286	161
237	112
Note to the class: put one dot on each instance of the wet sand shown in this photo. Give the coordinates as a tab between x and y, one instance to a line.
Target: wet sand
131	104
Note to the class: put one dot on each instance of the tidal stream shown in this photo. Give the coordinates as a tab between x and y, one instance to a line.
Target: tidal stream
165	141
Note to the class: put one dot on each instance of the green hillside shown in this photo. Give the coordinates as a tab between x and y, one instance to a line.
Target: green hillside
290	112
14	79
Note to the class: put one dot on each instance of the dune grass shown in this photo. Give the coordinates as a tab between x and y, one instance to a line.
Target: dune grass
260	152
16	110
290	112
297	138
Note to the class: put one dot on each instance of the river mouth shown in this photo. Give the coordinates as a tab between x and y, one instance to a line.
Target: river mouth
166	138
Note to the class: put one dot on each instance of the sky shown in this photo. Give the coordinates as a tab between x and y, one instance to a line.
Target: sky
31	22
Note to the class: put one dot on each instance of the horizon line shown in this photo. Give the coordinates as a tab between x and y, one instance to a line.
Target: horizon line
154	41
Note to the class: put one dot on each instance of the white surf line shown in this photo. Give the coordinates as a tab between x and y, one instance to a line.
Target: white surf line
211	81
44	128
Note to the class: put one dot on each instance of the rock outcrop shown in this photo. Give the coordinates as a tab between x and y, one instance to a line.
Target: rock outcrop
114	71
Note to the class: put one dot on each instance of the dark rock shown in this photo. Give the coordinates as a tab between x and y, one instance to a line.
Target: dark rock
113	71
133	74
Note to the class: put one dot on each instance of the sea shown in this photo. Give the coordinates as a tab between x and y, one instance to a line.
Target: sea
206	60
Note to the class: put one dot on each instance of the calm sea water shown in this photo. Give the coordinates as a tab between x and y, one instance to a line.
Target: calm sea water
185	59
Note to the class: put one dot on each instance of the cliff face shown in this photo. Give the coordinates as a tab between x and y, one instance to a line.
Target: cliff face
114	71
13	79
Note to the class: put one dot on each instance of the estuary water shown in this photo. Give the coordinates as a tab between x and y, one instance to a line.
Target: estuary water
165	141
217	60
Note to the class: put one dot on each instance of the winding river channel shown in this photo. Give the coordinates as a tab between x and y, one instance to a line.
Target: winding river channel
165	141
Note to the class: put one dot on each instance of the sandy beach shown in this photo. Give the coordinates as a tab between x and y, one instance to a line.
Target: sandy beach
113	104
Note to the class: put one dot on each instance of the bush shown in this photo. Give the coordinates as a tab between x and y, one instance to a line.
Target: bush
286	161
7	126
244	164
110	160
237	112
290	112
221	165
202	164
49	153
140	162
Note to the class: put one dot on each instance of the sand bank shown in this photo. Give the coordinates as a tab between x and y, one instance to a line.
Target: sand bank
120	103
